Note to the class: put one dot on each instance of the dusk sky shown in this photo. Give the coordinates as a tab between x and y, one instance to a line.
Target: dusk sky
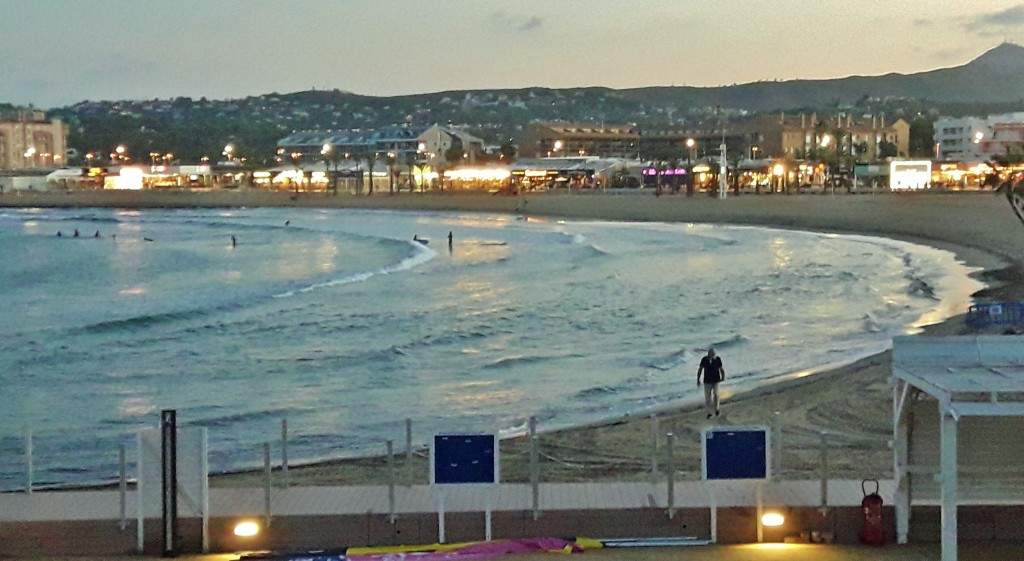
57	52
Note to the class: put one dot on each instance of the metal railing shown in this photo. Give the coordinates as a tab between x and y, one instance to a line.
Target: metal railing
671	454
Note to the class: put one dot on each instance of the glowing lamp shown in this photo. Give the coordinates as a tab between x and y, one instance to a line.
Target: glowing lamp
778	169
247	529
772	519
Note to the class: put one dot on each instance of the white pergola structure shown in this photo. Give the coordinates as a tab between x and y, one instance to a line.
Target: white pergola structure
966	392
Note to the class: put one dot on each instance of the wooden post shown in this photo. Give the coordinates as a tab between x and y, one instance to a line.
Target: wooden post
266	484
284	453
408	451
654	446
122	486
670	470
391	481
534	469
28	460
824	470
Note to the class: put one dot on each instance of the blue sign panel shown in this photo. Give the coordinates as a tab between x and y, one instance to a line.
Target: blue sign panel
464	458
736	453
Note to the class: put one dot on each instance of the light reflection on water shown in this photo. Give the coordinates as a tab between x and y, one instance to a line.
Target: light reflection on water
340	325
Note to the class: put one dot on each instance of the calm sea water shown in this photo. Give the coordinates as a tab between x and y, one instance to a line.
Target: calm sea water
341	323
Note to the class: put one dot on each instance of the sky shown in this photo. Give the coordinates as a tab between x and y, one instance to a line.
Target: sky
58	52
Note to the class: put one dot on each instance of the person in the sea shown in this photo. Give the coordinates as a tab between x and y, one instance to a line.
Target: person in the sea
234	242
76	233
713	371
449	240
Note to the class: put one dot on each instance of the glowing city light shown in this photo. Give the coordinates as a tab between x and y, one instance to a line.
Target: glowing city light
247	529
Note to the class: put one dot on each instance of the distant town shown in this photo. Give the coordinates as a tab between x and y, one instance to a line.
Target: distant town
532	139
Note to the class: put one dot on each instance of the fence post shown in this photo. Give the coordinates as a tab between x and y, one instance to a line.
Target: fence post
824	470
670	470
777	440
28	459
266	484
654	445
408	451
534	469
284	453
391	481
122	485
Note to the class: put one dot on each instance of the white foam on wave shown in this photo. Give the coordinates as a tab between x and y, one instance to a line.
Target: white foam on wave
421	255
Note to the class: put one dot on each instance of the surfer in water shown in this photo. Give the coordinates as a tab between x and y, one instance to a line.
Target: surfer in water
234	242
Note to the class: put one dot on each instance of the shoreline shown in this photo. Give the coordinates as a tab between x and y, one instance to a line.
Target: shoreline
846	401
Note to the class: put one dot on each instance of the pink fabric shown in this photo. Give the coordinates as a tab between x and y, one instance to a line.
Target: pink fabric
481	550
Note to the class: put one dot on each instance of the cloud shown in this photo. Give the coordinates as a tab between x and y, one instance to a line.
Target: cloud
922	22
507	21
947	56
997	21
532	23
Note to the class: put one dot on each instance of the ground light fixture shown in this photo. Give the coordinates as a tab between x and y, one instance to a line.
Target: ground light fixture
772	519
247	528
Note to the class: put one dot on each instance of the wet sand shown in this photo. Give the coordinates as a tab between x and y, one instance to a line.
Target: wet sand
852	404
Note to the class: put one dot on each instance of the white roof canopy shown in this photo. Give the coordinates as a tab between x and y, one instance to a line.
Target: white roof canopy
976	376
971	375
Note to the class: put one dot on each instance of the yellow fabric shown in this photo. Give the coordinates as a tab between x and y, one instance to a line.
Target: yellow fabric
406	548
589	543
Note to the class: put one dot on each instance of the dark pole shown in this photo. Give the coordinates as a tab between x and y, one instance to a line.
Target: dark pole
169	472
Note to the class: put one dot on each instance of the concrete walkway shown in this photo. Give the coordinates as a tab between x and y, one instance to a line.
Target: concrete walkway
753	552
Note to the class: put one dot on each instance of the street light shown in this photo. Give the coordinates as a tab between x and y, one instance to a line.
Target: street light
296	158
327	153
229	151
690	144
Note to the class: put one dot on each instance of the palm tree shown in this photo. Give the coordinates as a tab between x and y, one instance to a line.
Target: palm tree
371	162
391	160
296	159
412	158
673	164
331	156
452	156
659	171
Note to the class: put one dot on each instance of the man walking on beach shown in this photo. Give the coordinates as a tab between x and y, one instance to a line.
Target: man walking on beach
714	372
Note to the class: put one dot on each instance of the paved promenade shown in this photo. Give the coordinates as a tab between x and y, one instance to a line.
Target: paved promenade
763	552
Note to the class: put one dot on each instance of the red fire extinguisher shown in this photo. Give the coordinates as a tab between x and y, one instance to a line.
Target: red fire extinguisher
872	532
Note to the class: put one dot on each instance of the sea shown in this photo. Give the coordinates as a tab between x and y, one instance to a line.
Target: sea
339	322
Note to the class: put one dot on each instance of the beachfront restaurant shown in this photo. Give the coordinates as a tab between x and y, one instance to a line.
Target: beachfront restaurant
759	175
348	176
968	176
584	172
669	178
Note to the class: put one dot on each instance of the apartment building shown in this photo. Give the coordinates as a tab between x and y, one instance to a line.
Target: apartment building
28	140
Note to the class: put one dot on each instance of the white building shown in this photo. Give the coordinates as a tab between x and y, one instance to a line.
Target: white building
976	138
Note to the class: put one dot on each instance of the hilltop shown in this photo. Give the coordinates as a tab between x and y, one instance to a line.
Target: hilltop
995	76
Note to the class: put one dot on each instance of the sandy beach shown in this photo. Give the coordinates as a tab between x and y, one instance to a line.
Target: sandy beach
851	404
